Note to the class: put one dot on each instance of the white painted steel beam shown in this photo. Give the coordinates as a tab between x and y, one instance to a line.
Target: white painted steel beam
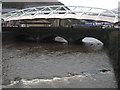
62	12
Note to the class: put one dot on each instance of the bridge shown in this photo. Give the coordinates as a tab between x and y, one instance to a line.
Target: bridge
63	12
48	34
71	34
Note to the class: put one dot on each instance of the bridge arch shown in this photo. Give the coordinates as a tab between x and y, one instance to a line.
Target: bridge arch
54	38
98	40
61	39
92	40
24	37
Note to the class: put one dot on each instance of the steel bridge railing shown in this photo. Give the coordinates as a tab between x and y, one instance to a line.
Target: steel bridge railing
63	12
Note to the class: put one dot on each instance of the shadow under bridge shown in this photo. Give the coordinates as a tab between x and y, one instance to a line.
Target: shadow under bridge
48	34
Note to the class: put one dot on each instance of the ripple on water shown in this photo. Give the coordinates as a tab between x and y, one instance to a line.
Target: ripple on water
67	62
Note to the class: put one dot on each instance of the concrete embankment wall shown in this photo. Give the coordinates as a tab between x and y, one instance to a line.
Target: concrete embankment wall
114	53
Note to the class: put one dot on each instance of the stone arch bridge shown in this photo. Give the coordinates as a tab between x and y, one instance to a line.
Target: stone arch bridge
48	34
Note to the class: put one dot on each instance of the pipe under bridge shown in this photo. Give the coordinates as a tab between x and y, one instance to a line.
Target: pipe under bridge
63	12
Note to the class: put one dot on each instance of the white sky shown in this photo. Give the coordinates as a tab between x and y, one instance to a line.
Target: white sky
106	4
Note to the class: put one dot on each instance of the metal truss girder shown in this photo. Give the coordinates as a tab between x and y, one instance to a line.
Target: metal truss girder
62	12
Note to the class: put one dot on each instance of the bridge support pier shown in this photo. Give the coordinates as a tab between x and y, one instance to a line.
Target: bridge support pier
72	41
79	41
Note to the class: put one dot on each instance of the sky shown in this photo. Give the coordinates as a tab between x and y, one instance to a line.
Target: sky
106	4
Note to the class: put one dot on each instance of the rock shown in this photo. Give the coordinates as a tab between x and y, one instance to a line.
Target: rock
104	70
17	79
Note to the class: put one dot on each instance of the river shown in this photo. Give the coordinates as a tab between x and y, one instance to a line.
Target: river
57	65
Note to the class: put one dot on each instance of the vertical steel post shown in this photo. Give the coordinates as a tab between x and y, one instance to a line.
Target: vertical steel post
0	45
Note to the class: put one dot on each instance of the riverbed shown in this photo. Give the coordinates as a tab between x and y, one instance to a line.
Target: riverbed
57	65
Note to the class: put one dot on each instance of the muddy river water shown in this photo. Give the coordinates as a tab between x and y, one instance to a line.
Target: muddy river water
57	65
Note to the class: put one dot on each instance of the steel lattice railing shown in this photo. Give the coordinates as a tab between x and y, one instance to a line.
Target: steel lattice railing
63	12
